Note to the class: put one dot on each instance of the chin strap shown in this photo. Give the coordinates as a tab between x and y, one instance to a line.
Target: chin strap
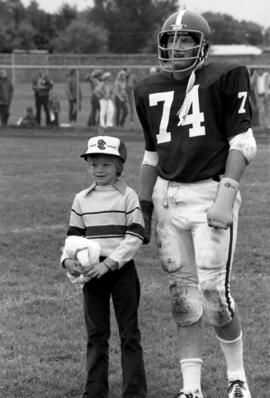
182	113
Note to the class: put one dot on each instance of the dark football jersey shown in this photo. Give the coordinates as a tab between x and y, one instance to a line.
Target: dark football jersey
217	108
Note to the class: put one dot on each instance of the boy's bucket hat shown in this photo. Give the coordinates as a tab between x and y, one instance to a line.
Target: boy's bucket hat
106	145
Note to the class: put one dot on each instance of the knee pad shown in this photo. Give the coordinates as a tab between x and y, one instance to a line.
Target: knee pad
186	304
218	305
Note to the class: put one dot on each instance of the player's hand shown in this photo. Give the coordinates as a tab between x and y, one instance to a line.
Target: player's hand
73	267
220	214
147	210
218	218
147	228
97	270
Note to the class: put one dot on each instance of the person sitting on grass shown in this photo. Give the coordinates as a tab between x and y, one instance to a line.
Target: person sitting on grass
29	120
108	212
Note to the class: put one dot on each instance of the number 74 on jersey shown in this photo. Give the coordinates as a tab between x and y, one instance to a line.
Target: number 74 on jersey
189	113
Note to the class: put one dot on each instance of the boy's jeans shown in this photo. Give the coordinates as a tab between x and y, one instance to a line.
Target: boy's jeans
124	288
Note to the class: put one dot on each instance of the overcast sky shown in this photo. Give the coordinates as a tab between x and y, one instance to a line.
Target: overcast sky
257	11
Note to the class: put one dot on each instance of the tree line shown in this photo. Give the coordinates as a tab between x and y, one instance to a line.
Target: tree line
114	26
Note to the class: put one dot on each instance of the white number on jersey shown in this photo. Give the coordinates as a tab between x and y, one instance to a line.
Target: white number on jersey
194	118
243	95
166	97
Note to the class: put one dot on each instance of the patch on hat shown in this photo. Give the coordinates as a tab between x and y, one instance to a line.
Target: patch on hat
101	144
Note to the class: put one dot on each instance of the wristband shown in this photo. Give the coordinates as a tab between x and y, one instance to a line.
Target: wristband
111	264
227	191
147	207
220	215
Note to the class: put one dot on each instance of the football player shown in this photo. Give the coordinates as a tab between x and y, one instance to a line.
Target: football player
197	124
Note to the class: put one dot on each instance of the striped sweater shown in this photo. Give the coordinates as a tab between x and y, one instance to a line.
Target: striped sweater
111	216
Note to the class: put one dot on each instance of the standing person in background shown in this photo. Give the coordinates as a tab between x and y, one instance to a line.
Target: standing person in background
74	95
42	87
54	108
262	91
6	94
106	115
95	81
130	81
253	96
197	124
153	70
120	98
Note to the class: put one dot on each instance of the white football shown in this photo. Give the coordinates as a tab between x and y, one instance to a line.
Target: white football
83	257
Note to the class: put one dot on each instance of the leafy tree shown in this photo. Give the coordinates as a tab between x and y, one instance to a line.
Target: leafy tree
16	11
266	37
7	35
227	30
65	16
130	23
81	37
253	33
120	26
43	24
25	37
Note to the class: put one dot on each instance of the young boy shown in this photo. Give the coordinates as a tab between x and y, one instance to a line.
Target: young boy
108	212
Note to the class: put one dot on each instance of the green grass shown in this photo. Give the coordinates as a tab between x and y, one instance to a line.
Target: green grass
42	335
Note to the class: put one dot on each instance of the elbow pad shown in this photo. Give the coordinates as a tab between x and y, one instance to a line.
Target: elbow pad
245	143
150	158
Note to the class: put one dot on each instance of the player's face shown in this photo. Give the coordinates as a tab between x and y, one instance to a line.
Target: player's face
181	48
103	169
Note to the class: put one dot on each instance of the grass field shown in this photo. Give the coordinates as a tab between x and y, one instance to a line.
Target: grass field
42	335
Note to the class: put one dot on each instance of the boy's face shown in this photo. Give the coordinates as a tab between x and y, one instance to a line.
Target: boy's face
102	168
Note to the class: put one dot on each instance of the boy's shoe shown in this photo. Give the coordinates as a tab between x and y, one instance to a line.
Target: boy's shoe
238	389
189	394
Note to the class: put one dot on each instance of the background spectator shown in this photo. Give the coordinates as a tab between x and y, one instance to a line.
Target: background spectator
130	80
6	94
106	101
261	82
74	95
95	80
29	120
42	86
120	98
153	69
253	97
54	108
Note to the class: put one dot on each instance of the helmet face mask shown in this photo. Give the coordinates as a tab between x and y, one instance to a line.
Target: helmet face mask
173	58
183	42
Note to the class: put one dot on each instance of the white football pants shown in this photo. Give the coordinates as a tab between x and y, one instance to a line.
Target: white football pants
195	256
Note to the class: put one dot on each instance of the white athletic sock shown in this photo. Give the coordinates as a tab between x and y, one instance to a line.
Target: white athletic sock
233	353
191	373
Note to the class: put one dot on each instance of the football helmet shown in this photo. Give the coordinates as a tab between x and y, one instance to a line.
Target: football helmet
183	23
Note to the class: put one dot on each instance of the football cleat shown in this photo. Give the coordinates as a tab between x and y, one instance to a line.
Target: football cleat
238	389
189	394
